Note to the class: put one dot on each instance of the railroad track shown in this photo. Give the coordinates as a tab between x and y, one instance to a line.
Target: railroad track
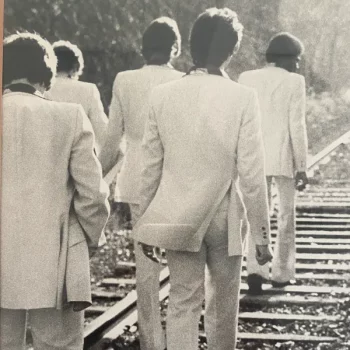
297	314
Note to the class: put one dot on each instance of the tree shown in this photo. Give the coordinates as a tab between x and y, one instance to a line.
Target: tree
324	27
109	32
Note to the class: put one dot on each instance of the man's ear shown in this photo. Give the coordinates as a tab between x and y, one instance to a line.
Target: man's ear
235	50
175	50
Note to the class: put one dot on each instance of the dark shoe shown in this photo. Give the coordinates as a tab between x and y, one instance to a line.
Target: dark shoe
255	284
282	284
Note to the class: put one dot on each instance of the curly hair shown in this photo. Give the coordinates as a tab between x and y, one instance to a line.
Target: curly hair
214	36
69	58
28	56
161	41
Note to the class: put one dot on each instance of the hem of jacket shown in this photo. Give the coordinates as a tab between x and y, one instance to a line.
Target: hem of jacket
273	174
195	241
124	199
31	307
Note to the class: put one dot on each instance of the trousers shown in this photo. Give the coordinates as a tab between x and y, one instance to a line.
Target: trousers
151	332
51	329
283	263
209	274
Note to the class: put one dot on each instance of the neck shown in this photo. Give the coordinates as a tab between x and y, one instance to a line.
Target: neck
37	87
62	75
67	75
211	69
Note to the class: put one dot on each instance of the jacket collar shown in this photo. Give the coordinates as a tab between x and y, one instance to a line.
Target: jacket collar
24	88
271	66
202	71
162	66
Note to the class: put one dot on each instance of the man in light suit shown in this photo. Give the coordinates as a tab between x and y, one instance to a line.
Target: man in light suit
161	43
51	180
67	88
282	100
202	134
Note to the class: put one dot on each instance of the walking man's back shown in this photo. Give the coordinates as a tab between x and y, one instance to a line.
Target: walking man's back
281	95
128	114
50	178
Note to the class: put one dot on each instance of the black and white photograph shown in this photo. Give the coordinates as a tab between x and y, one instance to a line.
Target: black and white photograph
175	175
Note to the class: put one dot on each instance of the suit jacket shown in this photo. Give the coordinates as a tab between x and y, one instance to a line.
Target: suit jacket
282	101
74	266
87	95
203	132
127	115
48	167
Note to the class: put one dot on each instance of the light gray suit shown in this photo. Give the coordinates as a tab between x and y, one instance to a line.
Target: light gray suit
48	166
202	134
87	95
282	100
128	114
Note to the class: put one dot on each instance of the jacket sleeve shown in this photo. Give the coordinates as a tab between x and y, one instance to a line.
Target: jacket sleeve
152	158
110	150
91	192
251	171
97	117
297	124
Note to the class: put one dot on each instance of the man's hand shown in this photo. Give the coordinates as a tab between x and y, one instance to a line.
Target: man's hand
301	180
153	253
263	254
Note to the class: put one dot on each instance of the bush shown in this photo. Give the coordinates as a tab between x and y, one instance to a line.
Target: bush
328	118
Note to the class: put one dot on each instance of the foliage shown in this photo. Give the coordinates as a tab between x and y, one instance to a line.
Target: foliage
109	31
324	27
109	34
328	118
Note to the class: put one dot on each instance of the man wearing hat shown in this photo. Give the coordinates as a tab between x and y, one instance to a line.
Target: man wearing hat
281	95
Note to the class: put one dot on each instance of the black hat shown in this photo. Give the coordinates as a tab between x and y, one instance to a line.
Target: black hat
285	44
